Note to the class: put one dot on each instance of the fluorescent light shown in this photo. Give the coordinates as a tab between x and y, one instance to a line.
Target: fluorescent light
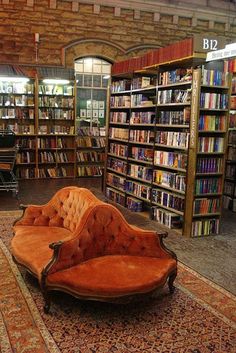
55	81
106	77
14	79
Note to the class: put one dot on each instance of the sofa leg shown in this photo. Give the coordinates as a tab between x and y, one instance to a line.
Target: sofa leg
47	303
171	282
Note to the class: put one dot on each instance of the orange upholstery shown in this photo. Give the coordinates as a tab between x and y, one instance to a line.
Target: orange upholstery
116	275
96	252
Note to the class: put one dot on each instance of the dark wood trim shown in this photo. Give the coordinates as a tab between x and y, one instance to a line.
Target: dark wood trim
21	207
170	252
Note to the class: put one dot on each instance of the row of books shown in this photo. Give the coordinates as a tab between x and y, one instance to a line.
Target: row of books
12	100
133	204
143	136
214	77
120	86
231	153
230	171
140	171
229	203
232	120
170	159
18	128
208	186
233	85
171	52
116	180
173	96
209	165
146	117
115	196
210	144
172	180
232	137
142	154
91	156
26	143
53	157
56	102
119	133
230	188
117	165
16	113
230	65
167	199
25	157
91	131
213	100
89	171
205	227
143	82
56	172
138	190
56	114
142	100
212	122
119	150
89	141
16	87
173	138
233	102
203	206
25	173
56	129
56	89
53	142
169	219
119	117
120	102
179	117
175	76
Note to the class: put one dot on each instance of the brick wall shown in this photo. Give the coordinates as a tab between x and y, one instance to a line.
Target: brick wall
70	29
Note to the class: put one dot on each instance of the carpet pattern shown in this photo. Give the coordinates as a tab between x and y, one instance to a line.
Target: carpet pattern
198	318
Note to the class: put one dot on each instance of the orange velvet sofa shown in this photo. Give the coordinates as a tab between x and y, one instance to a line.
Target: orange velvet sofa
83	246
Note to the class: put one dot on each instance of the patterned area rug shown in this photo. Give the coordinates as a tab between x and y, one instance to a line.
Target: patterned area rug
198	318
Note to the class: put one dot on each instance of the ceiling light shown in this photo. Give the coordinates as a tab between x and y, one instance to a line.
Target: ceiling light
55	81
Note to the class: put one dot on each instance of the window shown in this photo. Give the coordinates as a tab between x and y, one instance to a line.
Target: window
92	80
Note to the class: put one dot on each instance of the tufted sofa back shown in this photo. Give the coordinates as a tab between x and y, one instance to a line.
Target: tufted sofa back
105	232
66	209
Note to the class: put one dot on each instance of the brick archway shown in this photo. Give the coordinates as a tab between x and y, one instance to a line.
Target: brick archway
104	49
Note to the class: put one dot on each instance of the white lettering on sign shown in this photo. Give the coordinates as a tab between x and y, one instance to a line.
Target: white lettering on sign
209	44
193	114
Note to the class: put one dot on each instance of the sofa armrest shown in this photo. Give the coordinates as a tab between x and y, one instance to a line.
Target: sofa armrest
30	212
106	232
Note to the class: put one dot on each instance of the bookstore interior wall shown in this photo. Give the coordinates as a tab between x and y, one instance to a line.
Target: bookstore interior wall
101	30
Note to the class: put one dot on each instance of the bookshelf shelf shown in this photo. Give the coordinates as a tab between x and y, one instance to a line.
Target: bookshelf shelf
179	165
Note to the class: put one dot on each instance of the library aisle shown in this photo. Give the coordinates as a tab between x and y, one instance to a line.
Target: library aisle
212	256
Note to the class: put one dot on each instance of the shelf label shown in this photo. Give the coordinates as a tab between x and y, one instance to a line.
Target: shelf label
204	43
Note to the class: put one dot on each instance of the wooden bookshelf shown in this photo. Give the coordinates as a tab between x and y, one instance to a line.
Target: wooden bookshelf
229	197
167	155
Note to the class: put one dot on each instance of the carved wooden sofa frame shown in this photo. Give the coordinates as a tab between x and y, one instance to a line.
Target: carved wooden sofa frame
101	257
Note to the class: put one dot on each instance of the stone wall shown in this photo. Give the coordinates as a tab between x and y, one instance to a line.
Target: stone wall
71	29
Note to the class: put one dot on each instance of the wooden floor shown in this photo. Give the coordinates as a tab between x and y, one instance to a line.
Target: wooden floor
213	256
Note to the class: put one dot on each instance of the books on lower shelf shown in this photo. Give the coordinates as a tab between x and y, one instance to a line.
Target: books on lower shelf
119	133
25	157
115	196
133	204
116	181
138	189
169	219
214	77
118	149
25	173
120	101
168	199
144	117
89	171
117	165
143	136
205	227
140	171
119	117
142	154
